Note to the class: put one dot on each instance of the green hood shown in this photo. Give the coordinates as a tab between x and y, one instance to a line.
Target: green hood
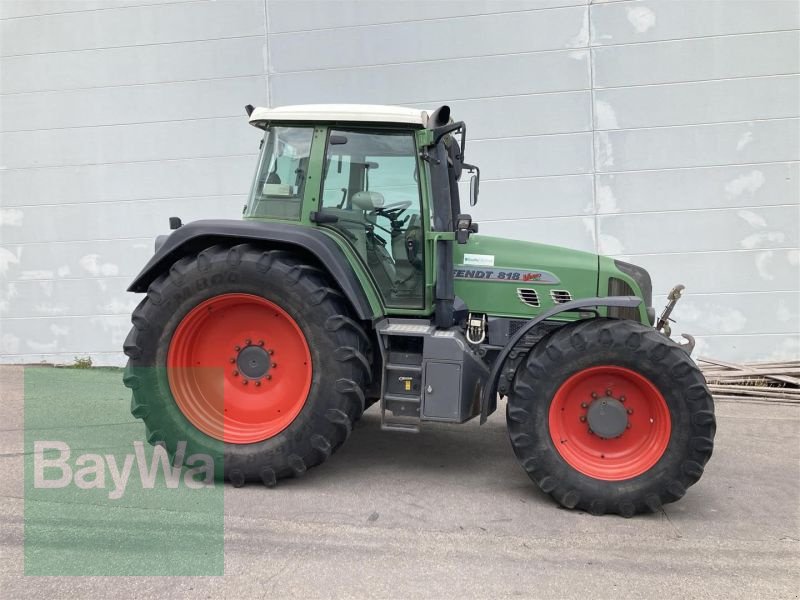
504	277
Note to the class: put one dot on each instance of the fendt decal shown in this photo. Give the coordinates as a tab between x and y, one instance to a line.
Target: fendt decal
499	274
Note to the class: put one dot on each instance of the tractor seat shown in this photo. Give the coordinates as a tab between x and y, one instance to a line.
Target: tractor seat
368	200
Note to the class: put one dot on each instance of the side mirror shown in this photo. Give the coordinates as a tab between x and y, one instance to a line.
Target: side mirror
474	183
473	190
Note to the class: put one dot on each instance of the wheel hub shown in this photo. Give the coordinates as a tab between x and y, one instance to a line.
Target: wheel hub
607	417
253	362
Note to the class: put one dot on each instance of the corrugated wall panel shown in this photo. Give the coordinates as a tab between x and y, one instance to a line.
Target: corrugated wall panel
440	81
664	132
484	35
135	26
130	104
113	117
113	182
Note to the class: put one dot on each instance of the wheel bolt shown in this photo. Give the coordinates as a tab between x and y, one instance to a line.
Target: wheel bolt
628	426
247	342
244	381
270	352
274	365
260	342
594	394
608	392
584	405
268	377
622	398
258	383
630	411
583	419
237	348
232	360
236	373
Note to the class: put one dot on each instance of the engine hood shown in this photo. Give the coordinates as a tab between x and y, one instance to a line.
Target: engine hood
511	278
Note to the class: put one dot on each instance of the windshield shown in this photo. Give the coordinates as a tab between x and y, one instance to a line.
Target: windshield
280	181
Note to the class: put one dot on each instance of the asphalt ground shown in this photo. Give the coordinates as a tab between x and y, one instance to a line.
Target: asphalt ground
446	513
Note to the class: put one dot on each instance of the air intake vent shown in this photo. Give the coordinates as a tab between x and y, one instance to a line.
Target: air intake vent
528	296
617	287
560	296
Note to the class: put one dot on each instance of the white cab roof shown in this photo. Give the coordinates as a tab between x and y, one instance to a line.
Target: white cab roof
369	113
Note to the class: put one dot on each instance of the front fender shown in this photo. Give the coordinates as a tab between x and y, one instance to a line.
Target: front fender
490	389
198	235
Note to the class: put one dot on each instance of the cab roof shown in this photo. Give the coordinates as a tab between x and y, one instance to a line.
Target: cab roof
355	113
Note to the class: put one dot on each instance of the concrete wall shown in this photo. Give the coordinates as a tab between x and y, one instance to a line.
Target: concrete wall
666	133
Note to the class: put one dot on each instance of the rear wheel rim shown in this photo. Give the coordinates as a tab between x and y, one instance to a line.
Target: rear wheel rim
239	368
633	440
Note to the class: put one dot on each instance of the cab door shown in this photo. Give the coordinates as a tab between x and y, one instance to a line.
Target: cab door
371	185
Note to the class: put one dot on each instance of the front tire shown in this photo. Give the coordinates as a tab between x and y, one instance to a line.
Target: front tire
249	356
610	416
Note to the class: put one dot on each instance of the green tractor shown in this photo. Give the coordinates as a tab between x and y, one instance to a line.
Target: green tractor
355	278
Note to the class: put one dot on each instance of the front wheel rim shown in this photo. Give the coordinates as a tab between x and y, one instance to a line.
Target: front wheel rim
627	407
239	368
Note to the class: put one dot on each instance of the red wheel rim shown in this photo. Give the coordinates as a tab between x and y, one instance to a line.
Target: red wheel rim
239	368
645	435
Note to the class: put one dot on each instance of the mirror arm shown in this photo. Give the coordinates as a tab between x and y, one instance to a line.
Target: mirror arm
442	131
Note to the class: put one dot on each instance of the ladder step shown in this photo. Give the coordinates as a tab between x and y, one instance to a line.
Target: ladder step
400	413
398	426
402	367
403	399
400	407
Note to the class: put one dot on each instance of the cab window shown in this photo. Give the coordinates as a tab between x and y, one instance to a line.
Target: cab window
371	185
280	180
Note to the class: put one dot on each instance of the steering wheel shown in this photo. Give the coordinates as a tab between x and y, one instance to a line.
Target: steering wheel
392	211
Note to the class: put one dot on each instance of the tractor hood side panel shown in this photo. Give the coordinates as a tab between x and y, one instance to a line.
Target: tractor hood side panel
507	278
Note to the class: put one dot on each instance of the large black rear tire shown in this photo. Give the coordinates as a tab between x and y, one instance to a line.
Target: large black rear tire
336	344
639	389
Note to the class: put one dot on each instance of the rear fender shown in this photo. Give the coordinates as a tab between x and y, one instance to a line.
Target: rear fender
198	235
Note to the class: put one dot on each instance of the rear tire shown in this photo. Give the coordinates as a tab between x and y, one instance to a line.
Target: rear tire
317	377
635	386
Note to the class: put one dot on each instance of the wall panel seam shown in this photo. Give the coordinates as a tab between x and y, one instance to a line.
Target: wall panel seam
127	85
699	37
596	223
101	8
691	81
689	168
122	124
626	213
124	46
432	60
129	200
431	19
706	123
128	162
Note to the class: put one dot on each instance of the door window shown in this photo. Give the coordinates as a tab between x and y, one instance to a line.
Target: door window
371	184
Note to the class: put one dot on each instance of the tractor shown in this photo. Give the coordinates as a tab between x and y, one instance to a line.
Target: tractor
356	278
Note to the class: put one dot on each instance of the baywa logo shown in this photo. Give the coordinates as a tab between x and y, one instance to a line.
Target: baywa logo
53	469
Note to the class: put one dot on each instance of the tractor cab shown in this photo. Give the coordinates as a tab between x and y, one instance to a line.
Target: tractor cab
363	173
